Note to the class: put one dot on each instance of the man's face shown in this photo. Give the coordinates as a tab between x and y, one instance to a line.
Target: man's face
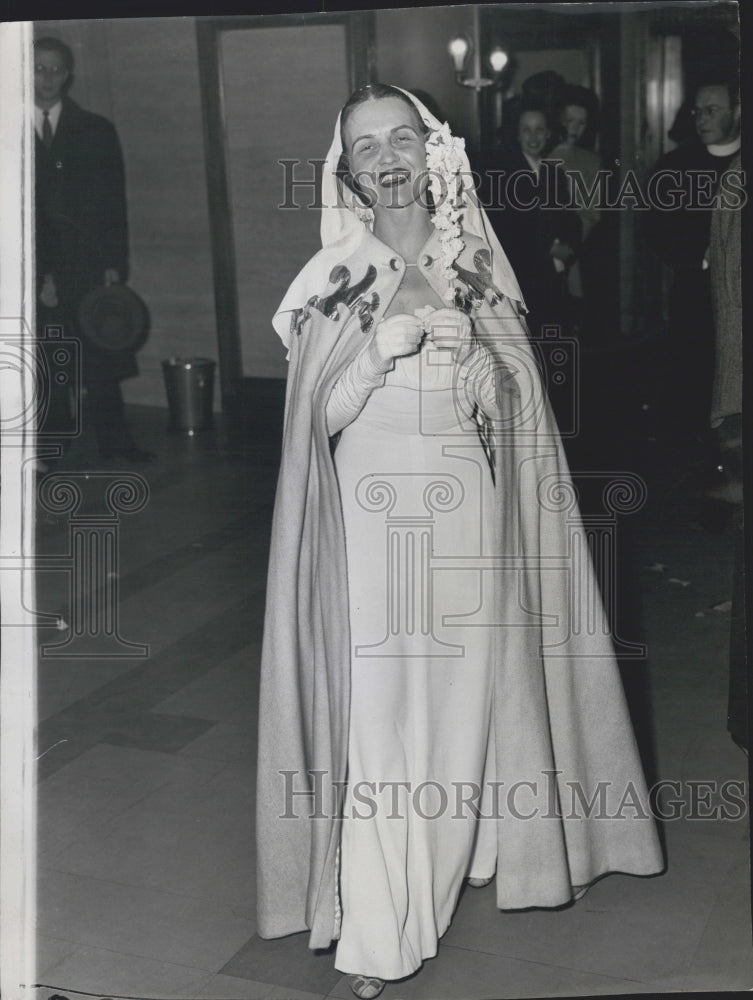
50	77
532	133
716	121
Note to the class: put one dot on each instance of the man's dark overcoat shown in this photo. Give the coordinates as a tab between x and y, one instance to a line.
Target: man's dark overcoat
81	221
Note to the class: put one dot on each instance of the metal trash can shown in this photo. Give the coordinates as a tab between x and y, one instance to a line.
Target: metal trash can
189	383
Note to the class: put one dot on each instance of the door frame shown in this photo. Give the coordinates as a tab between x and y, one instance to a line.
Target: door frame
360	53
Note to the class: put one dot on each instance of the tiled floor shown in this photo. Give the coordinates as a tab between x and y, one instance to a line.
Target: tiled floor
146	783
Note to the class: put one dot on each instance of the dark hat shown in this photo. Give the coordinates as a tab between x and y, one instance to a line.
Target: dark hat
114	318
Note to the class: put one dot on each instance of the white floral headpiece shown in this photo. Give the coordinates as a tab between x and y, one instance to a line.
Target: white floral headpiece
445	157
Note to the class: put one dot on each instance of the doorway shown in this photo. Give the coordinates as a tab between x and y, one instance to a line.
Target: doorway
272	88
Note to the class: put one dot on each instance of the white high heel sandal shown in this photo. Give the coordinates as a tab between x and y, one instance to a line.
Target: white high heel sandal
479	883
366	987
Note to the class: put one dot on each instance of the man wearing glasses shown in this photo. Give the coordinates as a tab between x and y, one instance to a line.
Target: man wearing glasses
684	187
81	234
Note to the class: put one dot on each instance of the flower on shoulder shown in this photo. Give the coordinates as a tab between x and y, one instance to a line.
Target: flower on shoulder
455	246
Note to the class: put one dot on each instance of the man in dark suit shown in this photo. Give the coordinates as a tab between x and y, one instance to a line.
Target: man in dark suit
731	421
82	233
683	187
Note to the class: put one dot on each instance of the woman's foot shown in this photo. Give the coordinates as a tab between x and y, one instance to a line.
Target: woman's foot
479	883
366	987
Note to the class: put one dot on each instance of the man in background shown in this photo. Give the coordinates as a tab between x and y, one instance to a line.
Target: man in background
81	233
725	268
680	237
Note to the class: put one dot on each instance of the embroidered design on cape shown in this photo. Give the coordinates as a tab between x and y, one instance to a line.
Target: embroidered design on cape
352	296
479	283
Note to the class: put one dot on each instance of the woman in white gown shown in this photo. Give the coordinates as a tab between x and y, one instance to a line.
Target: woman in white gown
416	439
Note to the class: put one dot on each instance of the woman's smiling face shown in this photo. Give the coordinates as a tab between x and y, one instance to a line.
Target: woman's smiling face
574	119
386	151
533	133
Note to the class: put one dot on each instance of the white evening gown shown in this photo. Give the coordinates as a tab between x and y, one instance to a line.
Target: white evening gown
415	487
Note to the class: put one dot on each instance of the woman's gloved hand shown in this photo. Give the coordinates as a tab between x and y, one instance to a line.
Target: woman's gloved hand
396	337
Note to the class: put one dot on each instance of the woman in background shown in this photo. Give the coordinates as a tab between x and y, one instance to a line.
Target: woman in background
579	122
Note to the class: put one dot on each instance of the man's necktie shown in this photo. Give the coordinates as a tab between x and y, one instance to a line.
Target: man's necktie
47	130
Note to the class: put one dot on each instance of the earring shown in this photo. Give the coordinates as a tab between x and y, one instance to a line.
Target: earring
364	214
